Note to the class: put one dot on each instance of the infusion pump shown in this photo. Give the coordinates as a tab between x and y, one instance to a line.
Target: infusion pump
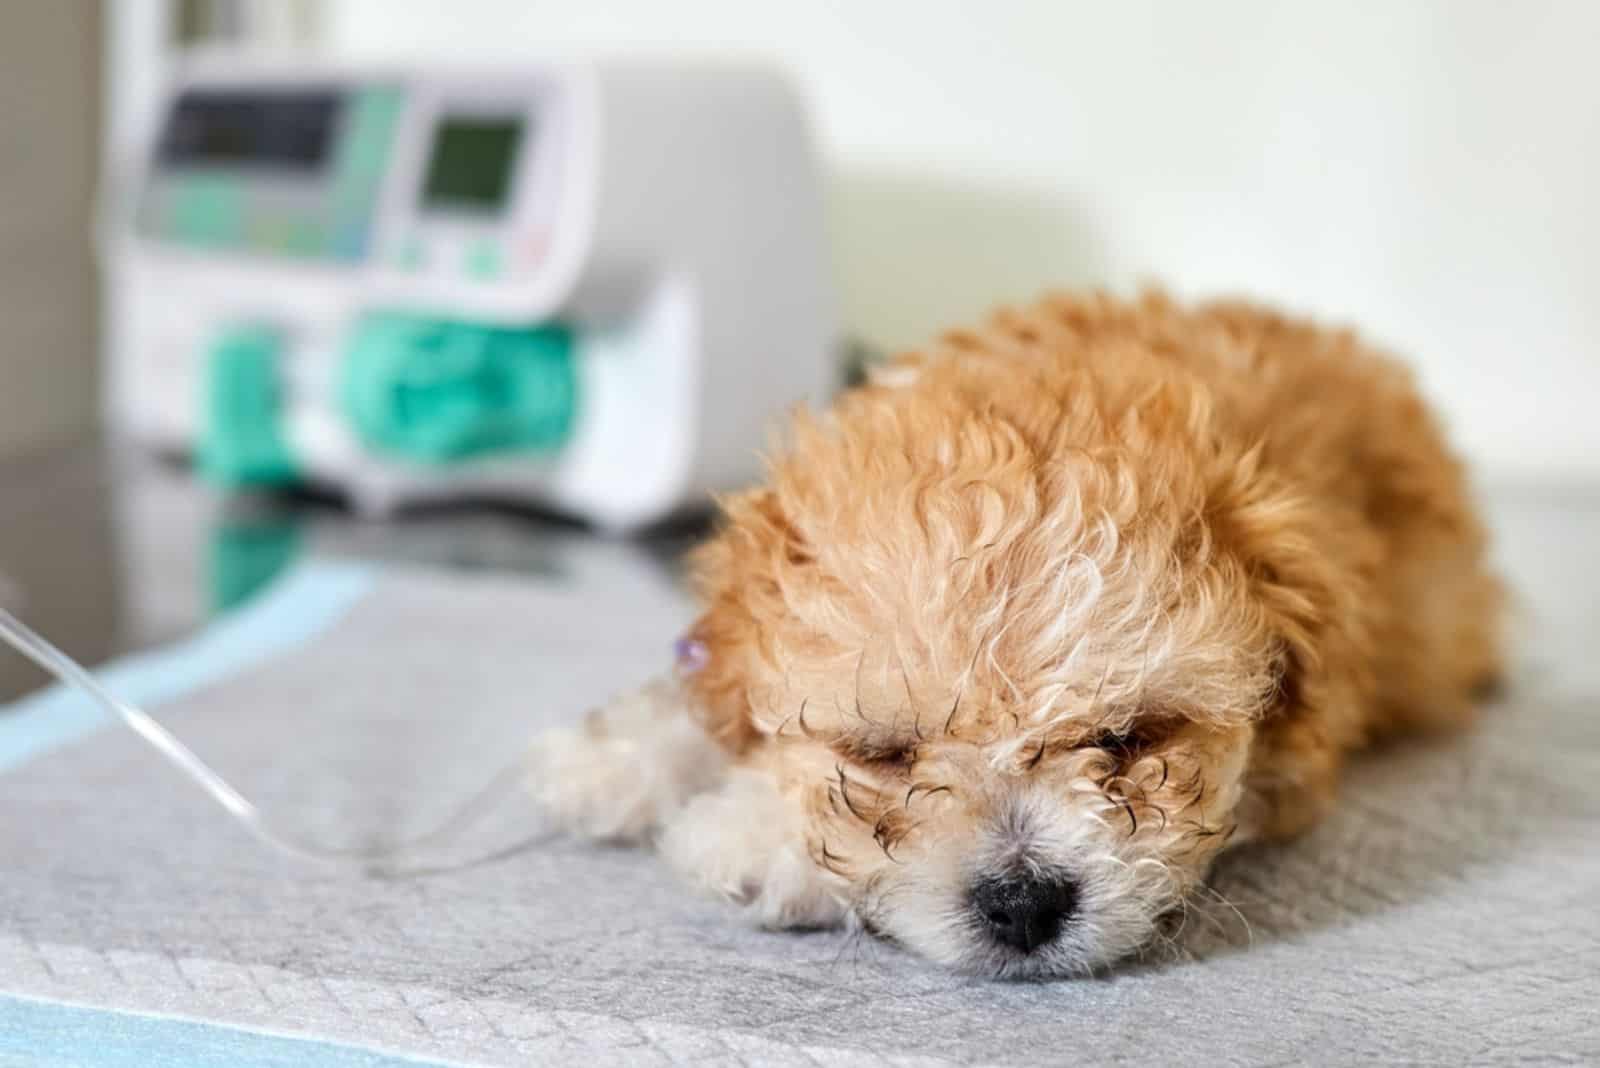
589	287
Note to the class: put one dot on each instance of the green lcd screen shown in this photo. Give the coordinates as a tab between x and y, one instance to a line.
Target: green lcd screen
469	168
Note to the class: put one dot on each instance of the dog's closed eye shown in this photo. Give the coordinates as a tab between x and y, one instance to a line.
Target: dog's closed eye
1115	742
1141	735
879	750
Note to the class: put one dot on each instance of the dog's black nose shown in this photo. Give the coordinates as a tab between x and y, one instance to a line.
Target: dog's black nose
1024	911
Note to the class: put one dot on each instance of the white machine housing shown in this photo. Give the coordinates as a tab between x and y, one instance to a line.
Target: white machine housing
670	216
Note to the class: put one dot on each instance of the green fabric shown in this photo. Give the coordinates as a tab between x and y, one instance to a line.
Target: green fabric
242	443
434	391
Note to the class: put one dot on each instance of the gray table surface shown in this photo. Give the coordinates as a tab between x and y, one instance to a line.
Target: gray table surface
107	551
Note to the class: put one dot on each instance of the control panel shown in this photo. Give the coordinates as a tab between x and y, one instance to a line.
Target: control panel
292	172
423	181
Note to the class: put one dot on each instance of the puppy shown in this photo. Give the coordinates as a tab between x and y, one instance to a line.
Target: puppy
1020	635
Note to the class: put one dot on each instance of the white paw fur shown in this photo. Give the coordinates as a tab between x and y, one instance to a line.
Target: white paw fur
743	842
641	769
628	766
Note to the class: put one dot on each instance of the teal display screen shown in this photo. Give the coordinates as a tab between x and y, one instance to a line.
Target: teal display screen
469	166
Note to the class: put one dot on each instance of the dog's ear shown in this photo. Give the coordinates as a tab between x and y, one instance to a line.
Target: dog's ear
739	575
1303	560
1298	558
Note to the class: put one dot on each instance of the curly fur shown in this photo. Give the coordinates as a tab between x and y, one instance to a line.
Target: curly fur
1097	588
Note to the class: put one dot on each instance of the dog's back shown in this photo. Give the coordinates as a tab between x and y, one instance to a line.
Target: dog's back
1347	423
1340	428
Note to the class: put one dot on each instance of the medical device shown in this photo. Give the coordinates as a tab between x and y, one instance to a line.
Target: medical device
586	287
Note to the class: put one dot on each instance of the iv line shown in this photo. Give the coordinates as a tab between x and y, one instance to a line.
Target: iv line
72	674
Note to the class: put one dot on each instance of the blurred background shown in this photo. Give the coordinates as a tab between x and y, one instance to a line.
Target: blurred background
1424	169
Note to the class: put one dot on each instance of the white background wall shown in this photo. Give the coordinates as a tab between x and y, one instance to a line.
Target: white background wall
1429	169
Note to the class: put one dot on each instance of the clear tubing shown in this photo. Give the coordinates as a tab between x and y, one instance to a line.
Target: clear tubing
31	644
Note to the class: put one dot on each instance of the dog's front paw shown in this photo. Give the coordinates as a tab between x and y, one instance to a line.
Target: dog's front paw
626	768
743	842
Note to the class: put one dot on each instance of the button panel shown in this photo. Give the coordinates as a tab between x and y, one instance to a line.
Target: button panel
321	215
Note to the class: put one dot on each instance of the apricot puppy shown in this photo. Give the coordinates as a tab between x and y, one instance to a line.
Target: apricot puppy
1019	636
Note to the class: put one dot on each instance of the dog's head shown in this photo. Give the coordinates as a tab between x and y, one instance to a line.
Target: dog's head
1009	633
